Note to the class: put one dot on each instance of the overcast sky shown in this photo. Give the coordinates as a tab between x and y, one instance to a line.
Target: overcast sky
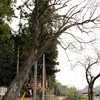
76	76
71	77
67	75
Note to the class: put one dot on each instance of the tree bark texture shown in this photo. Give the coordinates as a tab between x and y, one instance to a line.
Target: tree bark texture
17	83
90	92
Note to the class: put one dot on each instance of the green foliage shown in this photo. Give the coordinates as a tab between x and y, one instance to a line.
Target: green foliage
5	13
70	95
51	53
5	8
7	68
4	29
24	39
84	97
6	44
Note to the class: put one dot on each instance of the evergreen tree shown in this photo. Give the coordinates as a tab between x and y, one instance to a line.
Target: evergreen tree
6	43
26	34
5	14
6	61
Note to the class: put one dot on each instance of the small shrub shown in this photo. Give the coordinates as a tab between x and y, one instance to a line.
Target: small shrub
69	97
84	97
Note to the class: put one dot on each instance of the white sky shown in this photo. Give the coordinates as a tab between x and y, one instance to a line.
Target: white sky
74	77
67	76
71	77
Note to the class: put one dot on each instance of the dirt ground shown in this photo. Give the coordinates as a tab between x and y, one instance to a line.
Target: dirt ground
52	98
25	98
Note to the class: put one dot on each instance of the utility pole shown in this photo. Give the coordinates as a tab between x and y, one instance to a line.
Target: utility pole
18	58
43	83
35	79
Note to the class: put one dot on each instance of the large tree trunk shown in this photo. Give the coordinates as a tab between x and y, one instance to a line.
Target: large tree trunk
90	92
17	83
